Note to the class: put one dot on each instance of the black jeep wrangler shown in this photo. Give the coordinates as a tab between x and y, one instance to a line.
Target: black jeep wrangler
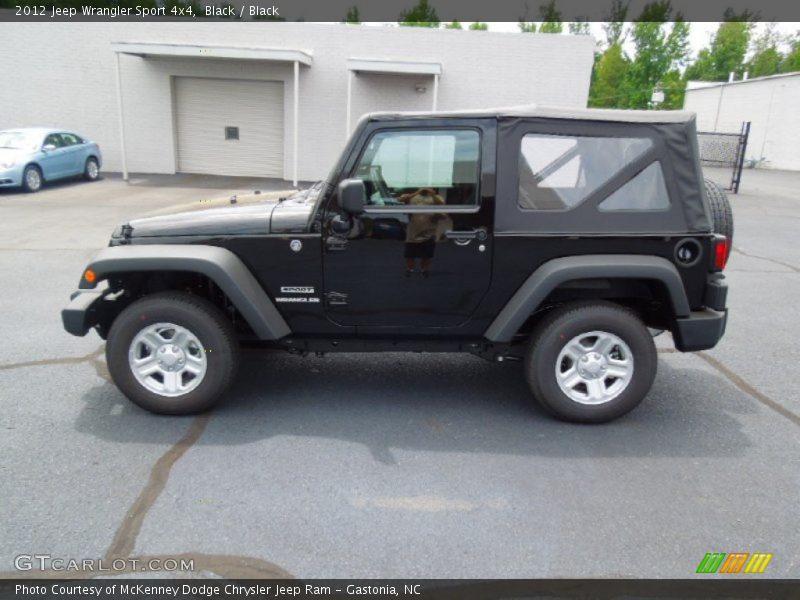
562	238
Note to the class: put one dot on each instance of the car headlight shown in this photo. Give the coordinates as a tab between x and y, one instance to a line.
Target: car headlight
8	165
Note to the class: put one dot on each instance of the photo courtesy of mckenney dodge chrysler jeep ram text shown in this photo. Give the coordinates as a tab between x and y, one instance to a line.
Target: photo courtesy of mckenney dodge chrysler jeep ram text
557	237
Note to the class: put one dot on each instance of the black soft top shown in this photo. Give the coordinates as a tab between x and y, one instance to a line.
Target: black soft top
675	146
547	112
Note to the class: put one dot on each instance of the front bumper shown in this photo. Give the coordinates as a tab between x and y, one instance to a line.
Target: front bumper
10	177
84	311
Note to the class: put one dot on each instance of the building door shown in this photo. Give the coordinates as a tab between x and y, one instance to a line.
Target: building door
229	127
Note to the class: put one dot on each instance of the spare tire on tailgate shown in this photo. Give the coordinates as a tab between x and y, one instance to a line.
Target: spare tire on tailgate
721	213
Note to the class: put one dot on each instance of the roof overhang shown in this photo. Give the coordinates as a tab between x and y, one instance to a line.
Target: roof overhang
162	50
393	67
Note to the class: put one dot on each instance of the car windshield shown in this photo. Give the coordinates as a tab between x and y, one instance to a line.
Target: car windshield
19	140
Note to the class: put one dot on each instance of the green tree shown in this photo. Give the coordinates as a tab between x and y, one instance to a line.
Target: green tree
673	84
453	25
791	62
421	15
478	26
725	54
551	18
614	27
609	79
524	25
660	49
352	15
766	58
579	28
610	69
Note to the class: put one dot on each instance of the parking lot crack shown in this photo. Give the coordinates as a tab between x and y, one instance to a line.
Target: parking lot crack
772	260
125	538
748	389
67	360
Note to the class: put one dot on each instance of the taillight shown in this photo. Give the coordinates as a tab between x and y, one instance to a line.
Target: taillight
721	252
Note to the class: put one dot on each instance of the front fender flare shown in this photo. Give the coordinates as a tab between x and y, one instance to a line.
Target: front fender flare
222	266
560	270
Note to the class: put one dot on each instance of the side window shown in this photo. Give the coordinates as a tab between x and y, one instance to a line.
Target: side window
53	139
559	172
70	139
646	191
396	164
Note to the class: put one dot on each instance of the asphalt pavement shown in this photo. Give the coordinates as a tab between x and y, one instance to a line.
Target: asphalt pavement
393	465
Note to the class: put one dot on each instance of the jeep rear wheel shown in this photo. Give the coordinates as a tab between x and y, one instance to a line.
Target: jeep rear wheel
590	362
172	353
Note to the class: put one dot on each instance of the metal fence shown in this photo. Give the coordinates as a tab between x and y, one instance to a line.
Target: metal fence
725	150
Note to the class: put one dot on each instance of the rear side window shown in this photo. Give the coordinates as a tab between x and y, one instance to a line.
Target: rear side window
559	172
646	191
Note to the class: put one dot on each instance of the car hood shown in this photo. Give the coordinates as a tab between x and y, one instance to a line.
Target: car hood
11	154
244	214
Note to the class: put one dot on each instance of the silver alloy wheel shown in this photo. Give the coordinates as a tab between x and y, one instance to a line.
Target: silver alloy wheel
33	179
92	170
167	359
594	367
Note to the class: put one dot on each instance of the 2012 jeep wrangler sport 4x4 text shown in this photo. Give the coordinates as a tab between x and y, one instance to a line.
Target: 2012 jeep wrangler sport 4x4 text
558	237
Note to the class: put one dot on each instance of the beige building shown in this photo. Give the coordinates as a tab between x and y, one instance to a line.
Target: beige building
771	104
264	98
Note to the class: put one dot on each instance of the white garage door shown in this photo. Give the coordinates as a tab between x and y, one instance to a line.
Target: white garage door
229	127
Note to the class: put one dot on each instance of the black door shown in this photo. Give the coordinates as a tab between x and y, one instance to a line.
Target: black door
420	256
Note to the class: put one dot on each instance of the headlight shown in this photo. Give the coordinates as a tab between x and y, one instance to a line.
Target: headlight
8	165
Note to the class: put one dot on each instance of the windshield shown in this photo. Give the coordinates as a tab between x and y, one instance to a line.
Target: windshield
19	140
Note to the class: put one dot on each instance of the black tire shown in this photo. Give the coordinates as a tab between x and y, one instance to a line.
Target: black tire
561	326
91	170
721	213
204	320
28	184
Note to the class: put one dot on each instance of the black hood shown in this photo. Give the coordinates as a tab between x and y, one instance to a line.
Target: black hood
250	216
245	219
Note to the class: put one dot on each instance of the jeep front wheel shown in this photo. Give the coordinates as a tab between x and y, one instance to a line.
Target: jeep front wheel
172	353
590	362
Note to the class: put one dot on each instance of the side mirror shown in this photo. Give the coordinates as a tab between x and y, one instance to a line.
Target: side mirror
352	196
48	147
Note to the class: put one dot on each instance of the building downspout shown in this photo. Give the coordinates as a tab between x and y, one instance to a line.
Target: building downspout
121	121
295	124
349	103
719	105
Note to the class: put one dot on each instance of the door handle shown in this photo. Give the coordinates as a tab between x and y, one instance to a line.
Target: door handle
468	234
335	243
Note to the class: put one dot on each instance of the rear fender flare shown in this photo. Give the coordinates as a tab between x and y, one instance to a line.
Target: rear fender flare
222	266
555	272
